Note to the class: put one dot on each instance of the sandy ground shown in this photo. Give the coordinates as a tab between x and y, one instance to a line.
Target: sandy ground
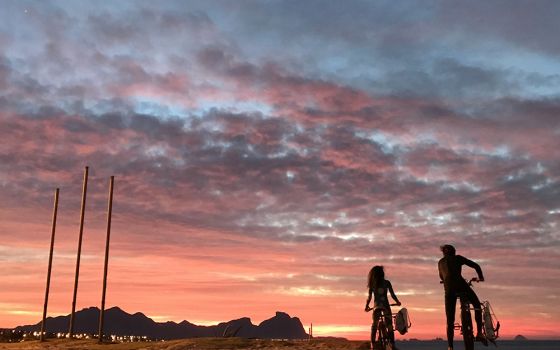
201	343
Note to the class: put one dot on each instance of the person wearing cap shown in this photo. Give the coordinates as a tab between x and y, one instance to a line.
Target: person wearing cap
453	282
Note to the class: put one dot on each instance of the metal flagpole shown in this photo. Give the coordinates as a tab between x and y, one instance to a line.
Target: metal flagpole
55	210
82	213
109	212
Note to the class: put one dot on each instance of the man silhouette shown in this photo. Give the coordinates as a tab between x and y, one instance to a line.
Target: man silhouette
450	273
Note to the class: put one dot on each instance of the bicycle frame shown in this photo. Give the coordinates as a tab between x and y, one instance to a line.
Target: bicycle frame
466	326
381	337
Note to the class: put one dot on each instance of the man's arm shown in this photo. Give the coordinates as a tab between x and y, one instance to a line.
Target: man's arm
443	271
475	266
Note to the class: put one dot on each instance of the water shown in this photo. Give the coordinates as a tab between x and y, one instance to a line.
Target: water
502	345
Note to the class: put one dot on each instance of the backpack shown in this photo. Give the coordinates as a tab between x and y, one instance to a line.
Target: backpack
491	324
402	321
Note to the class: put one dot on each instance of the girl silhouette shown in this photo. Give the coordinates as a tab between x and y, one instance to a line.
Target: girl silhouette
378	287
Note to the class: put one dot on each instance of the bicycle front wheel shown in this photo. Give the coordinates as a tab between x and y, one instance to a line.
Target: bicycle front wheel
467	329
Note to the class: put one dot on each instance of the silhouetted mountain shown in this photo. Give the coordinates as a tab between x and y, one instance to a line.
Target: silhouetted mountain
519	337
280	325
119	322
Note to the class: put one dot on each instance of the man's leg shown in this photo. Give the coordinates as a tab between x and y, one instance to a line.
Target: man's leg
450	302
471	296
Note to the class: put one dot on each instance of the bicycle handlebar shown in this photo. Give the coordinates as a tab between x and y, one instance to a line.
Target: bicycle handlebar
474	279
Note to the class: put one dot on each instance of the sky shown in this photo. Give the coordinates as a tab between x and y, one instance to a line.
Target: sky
267	154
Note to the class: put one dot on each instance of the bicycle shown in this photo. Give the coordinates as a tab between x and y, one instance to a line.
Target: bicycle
489	332
381	339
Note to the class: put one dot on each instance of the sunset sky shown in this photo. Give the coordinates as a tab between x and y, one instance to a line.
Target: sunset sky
267	154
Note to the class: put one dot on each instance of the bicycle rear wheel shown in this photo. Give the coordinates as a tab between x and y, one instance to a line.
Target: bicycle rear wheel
382	342
380	345
467	327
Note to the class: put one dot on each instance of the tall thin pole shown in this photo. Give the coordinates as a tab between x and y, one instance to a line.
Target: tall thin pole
109	212
82	214
55	210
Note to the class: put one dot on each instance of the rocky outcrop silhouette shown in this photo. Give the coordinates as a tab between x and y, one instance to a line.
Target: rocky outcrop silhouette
281	325
119	322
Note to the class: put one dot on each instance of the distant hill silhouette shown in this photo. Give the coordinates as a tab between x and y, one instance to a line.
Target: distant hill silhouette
119	322
519	337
